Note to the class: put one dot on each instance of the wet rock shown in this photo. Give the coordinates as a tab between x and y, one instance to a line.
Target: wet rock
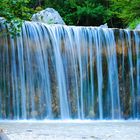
83	137
29	130
91	114
2	20
137	27
49	16
3	136
104	26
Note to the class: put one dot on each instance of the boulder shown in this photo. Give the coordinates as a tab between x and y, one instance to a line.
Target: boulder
2	25
137	27
104	26
49	16
2	20
3	136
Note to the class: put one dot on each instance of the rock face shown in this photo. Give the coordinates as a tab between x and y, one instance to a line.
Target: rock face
104	26
137	27
49	16
2	19
3	136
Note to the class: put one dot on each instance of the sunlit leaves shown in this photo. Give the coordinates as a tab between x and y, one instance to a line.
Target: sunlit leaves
127	10
15	11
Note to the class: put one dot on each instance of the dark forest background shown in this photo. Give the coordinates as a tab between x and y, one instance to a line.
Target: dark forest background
116	13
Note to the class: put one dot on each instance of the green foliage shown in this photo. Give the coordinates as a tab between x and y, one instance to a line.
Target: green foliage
134	23
127	10
15	11
11	9
80	12
14	26
117	13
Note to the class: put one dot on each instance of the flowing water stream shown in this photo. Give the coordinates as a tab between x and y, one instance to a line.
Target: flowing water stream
67	72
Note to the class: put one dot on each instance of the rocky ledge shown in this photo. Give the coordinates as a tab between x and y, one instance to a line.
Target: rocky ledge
48	16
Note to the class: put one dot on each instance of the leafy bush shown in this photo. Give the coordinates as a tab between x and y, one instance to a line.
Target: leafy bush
15	12
117	13
80	12
134	23
127	10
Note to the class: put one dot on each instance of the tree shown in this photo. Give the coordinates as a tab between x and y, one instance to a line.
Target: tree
15	11
127	10
80	12
11	9
117	13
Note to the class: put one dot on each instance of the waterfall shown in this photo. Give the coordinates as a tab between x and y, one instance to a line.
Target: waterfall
68	72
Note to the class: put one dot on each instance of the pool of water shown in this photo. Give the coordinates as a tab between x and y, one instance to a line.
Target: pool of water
71	130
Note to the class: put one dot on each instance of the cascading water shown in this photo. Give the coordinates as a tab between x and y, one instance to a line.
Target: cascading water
61	72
